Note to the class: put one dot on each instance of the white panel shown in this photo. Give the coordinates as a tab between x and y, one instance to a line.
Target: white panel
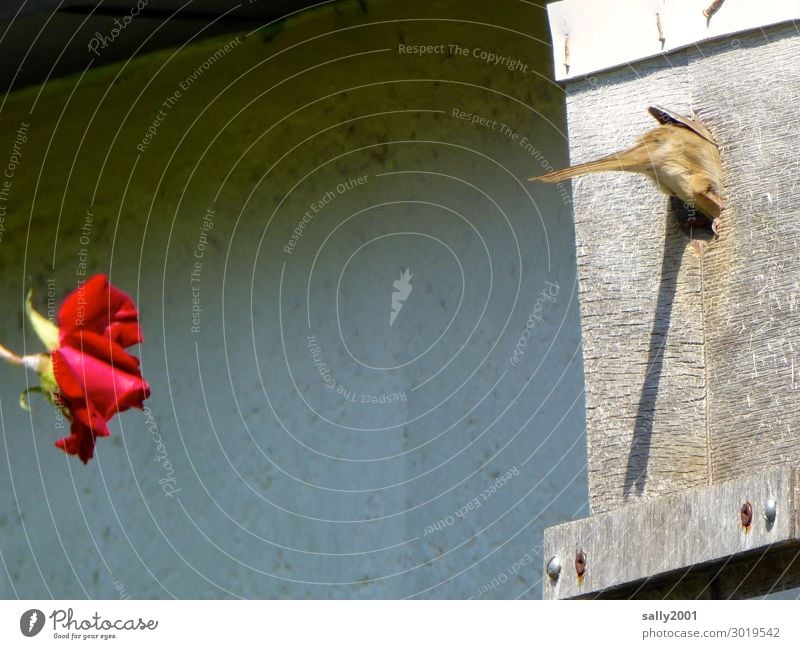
593	35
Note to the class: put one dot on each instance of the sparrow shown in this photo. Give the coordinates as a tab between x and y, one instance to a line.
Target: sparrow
680	156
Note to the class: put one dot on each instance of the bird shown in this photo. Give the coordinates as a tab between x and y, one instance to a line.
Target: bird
680	156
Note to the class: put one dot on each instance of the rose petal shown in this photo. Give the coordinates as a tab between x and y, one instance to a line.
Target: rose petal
111	383
84	430
96	377
102	308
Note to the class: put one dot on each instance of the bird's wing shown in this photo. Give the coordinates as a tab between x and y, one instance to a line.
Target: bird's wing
667	116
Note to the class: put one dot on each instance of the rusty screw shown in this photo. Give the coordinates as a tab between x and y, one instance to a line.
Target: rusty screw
580	563
746	514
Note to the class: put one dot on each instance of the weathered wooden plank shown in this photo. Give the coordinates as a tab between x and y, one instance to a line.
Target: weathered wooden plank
751	574
678	546
689	357
640	284
750	89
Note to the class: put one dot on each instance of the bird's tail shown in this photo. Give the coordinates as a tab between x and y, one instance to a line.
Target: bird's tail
629	160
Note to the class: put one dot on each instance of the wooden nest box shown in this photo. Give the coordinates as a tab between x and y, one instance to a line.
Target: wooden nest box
691	344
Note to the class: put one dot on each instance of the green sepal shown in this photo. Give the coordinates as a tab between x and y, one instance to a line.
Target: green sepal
48	388
46	330
48	377
23	397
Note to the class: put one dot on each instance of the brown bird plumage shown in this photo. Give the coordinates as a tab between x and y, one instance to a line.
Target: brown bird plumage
680	156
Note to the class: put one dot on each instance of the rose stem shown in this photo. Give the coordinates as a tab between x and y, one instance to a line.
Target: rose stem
32	362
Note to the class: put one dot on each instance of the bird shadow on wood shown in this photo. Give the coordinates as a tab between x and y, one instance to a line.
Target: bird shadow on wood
675	241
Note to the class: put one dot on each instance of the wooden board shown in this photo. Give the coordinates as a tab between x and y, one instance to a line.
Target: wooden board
689	350
751	296
691	375
684	546
640	298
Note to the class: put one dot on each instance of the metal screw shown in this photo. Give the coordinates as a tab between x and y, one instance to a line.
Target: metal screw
746	514
580	563
554	568
770	510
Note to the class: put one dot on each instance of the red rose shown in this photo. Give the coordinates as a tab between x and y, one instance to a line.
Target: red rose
96	377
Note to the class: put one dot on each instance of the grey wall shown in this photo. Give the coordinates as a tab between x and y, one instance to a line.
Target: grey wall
287	487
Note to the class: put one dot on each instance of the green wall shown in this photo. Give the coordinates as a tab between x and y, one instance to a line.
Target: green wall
296	444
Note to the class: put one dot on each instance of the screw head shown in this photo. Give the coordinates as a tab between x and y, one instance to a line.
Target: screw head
554	568
746	514
770	510
580	563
